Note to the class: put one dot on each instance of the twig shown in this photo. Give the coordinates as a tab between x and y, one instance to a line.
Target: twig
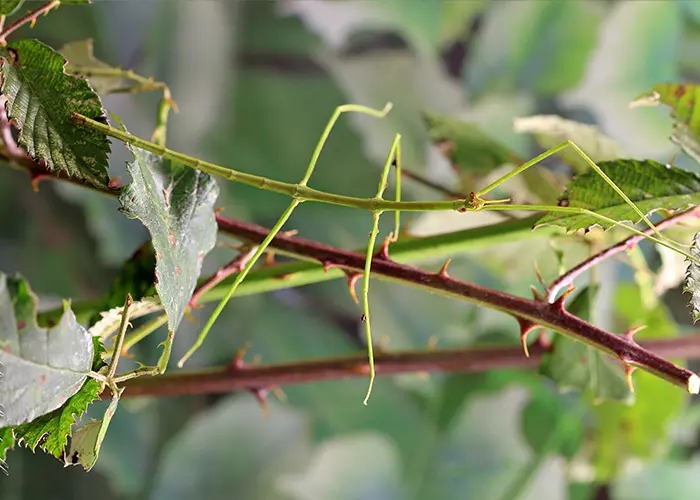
568	278
529	313
30	17
235	266
224	379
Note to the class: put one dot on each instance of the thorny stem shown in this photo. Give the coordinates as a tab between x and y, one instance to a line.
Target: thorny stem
476	359
568	278
529	312
30	17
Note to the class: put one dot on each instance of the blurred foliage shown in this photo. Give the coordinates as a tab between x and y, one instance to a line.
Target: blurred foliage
255	83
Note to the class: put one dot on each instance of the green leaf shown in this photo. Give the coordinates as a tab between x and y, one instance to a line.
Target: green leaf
543	414
649	184
643	429
80	54
176	204
576	366
8	7
465	145
682	98
692	279
41	99
50	431
549	55
41	367
552	130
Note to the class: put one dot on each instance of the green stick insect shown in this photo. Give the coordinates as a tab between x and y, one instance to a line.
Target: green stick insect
300	193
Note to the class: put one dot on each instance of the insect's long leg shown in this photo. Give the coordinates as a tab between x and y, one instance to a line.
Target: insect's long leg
590	162
393	152
283	218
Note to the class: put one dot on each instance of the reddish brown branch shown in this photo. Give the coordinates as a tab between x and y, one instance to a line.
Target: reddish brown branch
30	17
568	278
552	316
226	379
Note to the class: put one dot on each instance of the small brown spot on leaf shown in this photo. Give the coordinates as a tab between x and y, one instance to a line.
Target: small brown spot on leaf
178	270
173	242
21	325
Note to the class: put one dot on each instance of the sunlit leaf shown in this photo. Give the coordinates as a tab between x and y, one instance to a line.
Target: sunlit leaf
41	98
649	184
41	367
176	204
552	130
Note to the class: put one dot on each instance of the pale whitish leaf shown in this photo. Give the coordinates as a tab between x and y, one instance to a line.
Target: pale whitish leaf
50	431
356	466
41	367
111	319
692	279
80	55
551	130
86	442
649	184
41	98
176	204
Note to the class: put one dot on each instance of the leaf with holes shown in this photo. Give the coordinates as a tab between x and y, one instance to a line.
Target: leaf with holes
50	431
649	184
176	204
41	367
41	99
680	97
552	130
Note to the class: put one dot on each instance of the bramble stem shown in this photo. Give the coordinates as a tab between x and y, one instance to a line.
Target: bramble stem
30	17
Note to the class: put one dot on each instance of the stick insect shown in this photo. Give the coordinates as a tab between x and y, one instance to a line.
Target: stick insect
377	205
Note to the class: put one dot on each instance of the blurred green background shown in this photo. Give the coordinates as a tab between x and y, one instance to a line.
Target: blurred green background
255	82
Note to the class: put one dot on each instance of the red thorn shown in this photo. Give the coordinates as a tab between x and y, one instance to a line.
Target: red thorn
383	252
238	363
526	326
289	233
218	210
352	279
559	303
269	259
539	277
443	270
261	396
629	334
328	265
36	178
629	369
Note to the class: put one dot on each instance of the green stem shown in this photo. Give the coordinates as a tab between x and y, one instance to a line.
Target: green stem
237	281
296	191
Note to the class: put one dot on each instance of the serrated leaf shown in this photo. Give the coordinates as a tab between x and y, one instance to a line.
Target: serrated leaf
552	130
50	432
80	54
692	279
649	184
465	145
176	204
41	99
8	7
41	367
576	366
